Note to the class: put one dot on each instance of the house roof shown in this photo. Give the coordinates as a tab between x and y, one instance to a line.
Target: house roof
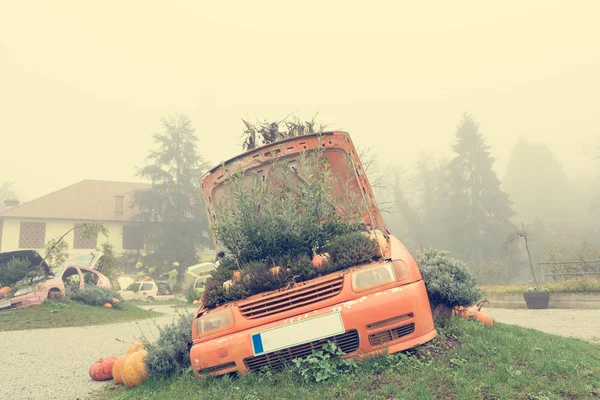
86	200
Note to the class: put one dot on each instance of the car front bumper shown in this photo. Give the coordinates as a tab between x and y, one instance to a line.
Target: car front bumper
383	322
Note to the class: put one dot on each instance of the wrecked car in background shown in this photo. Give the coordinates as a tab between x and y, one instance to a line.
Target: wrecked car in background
52	282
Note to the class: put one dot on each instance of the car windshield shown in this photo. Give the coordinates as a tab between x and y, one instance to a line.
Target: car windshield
202	268
82	261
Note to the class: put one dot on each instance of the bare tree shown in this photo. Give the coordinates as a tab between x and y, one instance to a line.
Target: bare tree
519	234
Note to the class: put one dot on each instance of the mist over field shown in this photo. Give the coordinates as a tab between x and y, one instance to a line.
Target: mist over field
512	87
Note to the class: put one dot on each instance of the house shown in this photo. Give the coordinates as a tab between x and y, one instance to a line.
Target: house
32	224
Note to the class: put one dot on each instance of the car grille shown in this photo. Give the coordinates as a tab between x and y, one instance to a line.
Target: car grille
283	301
379	338
348	342
217	368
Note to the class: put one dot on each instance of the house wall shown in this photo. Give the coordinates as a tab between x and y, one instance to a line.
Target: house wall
55	229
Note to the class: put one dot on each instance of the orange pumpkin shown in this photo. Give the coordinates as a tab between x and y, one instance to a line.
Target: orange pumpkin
117	367
107	305
5	290
378	237
318	261
115	300
166	292
134	369
484	318
474	313
101	370
237	275
275	271
137	346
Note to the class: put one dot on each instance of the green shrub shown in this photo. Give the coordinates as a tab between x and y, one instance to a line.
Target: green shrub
170	353
95	296
13	271
448	281
323	365
291	214
351	249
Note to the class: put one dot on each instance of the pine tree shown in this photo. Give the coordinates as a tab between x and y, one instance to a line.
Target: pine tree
176	223
479	211
538	185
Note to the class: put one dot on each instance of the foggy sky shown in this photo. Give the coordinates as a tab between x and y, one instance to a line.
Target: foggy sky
83	85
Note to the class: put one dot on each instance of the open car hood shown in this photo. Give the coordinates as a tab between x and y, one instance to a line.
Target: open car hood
341	156
33	256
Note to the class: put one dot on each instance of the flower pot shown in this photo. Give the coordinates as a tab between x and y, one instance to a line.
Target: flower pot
537	300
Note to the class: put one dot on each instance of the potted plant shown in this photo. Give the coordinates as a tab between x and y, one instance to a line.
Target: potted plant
535	297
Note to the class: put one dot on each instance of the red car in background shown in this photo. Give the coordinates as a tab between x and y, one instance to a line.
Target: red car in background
33	292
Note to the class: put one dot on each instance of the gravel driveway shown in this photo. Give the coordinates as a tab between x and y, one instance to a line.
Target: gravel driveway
581	324
54	363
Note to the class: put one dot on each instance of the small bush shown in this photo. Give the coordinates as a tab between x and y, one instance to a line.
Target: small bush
13	271
448	281
95	296
170	353
325	364
351	249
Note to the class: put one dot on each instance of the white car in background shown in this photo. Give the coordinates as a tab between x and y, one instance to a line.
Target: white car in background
147	290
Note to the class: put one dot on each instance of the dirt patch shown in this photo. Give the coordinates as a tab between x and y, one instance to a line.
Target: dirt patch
439	348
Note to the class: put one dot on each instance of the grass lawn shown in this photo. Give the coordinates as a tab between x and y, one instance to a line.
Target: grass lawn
59	314
172	302
566	286
468	360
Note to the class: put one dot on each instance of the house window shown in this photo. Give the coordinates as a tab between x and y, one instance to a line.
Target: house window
133	237
32	235
81	241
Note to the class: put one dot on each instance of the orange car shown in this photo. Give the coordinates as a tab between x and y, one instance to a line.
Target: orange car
376	307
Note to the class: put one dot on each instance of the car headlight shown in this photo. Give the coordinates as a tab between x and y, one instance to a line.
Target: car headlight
215	321
368	278
24	291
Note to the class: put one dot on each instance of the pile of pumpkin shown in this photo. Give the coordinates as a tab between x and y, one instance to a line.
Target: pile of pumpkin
128	370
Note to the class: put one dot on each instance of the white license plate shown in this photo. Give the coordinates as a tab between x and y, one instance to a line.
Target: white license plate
4	303
297	333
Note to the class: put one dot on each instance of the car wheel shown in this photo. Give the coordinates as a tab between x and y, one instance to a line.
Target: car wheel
150	298
55	294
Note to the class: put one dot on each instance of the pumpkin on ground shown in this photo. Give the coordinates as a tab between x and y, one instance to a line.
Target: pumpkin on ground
5	290
107	305
101	370
237	275
115	300
137	346
474	313
117	367
134	371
